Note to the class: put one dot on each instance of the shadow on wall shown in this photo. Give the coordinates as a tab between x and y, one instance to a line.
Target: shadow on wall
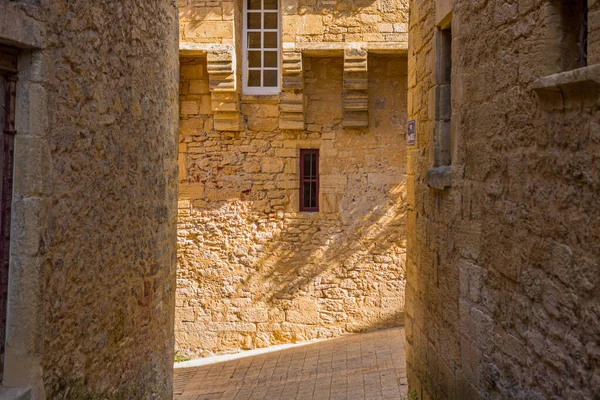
288	267
252	272
317	270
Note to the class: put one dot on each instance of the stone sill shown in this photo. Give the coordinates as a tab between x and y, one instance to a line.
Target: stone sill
259	98
439	177
584	78
327	49
201	49
14	393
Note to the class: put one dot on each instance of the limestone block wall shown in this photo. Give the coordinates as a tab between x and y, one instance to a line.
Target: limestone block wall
253	271
303	21
502	268
210	22
344	21
92	272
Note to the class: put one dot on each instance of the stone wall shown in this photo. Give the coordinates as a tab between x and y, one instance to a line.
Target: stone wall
344	21
253	271
502	268
314	21
92	270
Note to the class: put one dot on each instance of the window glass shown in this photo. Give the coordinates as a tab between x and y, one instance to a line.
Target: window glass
312	200
271	20
270	4
261	56
254	40
254	78
254	20
271	59
270	78
254	59
309	180
307	165
271	40
254	4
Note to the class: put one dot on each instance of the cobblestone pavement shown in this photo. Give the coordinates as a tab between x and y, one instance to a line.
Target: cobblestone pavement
363	366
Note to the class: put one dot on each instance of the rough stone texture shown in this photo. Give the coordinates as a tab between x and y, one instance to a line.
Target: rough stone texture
503	273
209	22
213	22
345	21
91	295
253	271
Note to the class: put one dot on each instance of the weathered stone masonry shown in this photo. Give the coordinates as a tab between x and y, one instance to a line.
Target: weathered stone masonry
253	270
92	272
502	288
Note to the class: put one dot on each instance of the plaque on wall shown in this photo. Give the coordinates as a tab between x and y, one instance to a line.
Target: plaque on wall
411	137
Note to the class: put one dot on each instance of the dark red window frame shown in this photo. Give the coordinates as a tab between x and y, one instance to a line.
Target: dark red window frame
307	180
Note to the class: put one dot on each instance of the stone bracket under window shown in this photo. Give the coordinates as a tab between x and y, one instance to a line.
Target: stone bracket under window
567	89
355	97
224	97
439	178
291	104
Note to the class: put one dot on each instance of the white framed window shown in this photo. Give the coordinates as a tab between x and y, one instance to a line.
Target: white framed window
261	46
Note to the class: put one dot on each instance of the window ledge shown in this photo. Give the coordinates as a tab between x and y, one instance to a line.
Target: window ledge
14	393
439	177
259	98
584	78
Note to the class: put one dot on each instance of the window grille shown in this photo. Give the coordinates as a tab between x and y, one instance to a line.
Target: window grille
582	42
309	180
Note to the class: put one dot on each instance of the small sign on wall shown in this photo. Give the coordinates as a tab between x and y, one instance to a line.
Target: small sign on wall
411	137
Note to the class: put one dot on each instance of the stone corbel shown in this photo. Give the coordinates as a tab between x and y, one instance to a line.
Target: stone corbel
291	104
355	97
224	97
570	89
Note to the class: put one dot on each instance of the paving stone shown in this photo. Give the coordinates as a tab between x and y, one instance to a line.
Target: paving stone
352	367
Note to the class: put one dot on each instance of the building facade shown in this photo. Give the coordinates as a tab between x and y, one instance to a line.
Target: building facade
89	100
335	175
292	166
503	221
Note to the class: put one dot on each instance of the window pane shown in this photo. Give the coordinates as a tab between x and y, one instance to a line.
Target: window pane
313	194
306	195
313	167
254	20
254	78
271	20
271	59
306	173
253	40
254	59
270	78
254	4
271	4
270	40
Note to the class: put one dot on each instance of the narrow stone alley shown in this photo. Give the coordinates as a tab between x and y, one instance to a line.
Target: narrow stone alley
361	366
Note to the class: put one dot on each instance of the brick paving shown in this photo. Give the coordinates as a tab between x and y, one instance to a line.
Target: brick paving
366	366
